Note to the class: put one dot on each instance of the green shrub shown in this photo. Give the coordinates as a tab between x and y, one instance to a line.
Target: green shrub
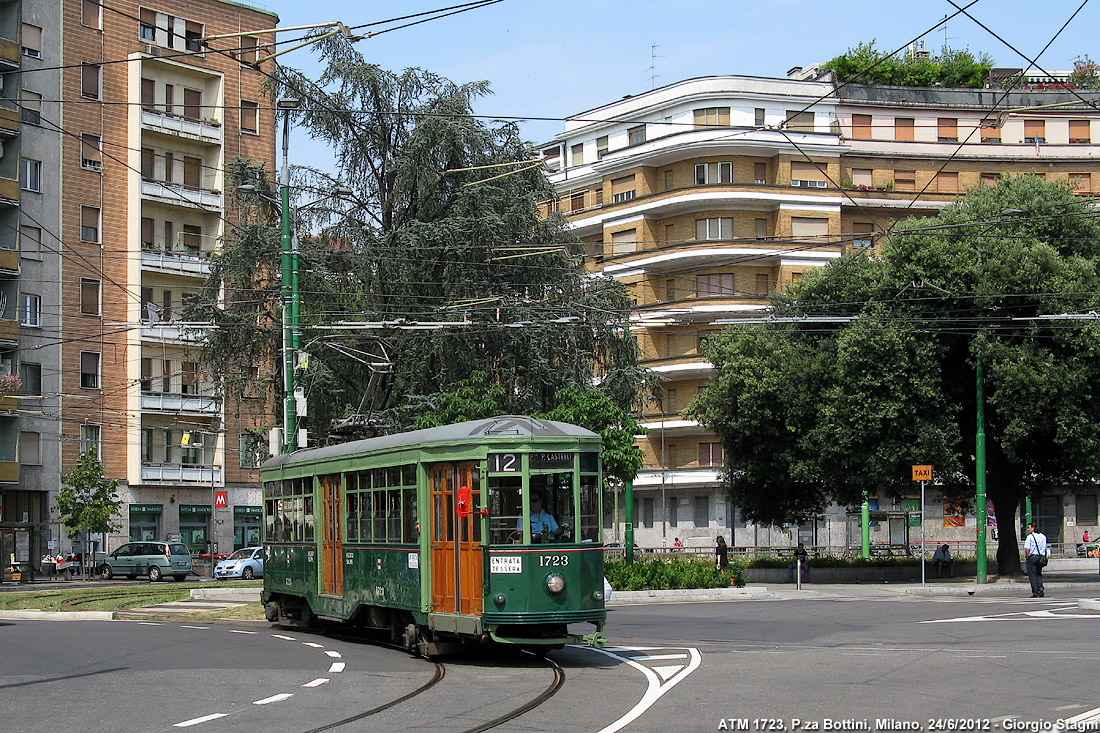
671	573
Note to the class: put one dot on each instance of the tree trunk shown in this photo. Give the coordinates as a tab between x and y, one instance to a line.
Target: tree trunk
1003	487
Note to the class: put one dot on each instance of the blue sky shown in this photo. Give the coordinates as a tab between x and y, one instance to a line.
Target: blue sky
554	58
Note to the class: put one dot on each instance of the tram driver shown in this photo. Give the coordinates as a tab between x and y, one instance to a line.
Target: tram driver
543	525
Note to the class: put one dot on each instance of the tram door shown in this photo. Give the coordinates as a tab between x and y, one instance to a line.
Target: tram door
456	541
332	544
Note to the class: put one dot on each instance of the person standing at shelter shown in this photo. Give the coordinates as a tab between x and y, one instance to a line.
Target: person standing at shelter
721	555
1036	552
942	559
801	559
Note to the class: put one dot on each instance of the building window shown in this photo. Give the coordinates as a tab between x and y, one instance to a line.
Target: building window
601	147
805	227
758	117
987	179
192	173
1079	132
862	234
800	121
250	47
250	116
1035	131
90	80
622	189
712	117
90	14
147	25
30	175
30	107
947	130
1086	509
30	452
30	374
635	135
91	152
861	127
807	175
861	177
760	173
716	228
253	450
903	129
577	153
30	242
192	33
647	512
89	369
30	310
624	242
711	454
702	511
89	440
191	237
1080	182
714	286
31	41
990	134
760	228
713	173
763	284
89	297
89	223
947	182
192	104
905	180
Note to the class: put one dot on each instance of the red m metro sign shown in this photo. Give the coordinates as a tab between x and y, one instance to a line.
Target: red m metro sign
221	500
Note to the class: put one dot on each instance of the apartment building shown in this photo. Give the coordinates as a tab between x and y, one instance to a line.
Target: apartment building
708	194
117	177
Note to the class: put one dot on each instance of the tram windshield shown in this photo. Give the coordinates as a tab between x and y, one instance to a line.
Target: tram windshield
552	507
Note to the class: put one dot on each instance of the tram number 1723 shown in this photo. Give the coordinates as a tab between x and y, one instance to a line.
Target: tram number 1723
555	561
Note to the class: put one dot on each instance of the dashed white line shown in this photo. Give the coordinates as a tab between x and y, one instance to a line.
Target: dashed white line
316	683
336	667
203	719
240	631
185	626
314	644
147	623
1069	707
334	655
284	638
274	698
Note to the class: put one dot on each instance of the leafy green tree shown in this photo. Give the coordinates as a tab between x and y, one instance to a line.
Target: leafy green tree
865	64
811	414
595	410
1085	74
423	240
87	502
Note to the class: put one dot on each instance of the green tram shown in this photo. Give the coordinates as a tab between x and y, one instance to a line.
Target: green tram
423	533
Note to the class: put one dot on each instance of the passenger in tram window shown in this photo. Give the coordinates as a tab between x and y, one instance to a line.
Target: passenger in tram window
543	525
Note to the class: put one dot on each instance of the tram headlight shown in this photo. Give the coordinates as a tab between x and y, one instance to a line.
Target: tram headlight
555	583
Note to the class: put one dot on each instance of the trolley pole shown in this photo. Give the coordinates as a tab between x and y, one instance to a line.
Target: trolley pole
979	475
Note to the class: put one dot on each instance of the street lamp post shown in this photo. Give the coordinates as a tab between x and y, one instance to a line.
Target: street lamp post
289	279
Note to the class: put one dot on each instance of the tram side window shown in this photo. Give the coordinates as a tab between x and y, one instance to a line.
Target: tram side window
393	515
590	508
307	510
505	509
269	520
411	529
556	489
379	516
352	504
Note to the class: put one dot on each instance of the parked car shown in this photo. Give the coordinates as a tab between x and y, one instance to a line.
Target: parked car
154	559
245	564
606	591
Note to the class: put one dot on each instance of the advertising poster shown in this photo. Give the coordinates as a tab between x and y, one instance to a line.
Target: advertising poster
953	515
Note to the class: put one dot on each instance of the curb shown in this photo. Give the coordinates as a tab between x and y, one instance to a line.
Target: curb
60	615
234	594
628	597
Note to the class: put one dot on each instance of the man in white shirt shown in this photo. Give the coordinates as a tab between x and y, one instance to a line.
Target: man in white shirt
1036	552
942	559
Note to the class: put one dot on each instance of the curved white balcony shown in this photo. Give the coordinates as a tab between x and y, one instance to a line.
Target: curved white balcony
176	473
199	130
650	478
177	404
176	195
171	334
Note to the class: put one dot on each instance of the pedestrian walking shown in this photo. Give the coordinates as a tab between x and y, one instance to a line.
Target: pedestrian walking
721	555
1036	553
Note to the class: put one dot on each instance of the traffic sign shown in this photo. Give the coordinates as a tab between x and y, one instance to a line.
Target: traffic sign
922	473
221	500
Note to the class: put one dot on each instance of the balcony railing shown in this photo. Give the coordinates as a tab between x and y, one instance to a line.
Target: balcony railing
177	473
203	130
182	263
170	333
179	403
174	193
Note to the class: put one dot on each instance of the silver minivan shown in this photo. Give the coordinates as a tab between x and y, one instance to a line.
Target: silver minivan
154	559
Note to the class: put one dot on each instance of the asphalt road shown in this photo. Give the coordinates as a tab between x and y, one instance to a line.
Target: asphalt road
941	663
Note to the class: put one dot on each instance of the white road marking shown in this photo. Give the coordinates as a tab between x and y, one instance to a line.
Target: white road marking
984	656
274	698
316	683
1089	716
656	688
314	644
334	655
239	631
148	623
667	672
1014	616
864	654
336	667
1069	707
284	638
657	657
185	626
203	719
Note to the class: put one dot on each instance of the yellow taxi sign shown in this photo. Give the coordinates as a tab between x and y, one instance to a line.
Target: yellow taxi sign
922	473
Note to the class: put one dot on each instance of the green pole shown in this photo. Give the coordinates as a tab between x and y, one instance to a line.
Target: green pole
1027	511
865	520
979	474
629	500
289	282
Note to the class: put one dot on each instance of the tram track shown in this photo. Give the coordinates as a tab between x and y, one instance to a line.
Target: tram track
440	672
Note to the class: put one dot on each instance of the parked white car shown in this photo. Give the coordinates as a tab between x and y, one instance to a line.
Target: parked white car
245	564
606	591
